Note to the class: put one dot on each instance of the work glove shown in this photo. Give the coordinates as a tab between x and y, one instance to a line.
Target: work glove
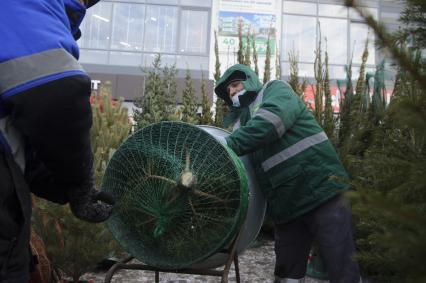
92	206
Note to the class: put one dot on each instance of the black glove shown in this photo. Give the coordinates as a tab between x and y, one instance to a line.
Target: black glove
93	206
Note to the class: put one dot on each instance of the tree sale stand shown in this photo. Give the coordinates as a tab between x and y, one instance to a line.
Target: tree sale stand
232	257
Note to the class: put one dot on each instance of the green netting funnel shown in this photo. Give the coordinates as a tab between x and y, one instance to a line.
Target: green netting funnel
180	195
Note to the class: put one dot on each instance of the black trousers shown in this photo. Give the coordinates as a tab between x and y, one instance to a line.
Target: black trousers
330	225
15	213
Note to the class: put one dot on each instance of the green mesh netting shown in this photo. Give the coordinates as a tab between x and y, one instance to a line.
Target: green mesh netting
181	195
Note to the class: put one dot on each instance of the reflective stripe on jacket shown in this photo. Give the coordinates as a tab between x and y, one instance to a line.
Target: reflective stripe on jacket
37	43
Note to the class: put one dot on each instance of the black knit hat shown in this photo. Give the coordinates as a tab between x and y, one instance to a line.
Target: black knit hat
234	77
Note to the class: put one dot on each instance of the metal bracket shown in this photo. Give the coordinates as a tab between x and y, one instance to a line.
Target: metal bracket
233	257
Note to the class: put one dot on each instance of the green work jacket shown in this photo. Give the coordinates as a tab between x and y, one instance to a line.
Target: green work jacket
294	161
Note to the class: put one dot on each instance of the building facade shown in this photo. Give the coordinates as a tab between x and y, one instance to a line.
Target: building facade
122	37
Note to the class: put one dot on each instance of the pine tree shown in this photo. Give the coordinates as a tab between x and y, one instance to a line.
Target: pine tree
150	108
206	114
298	87
345	107
253	42
319	86
267	71
360	85
414	19
361	122
240	53
111	125
385	40
189	110
72	246
217	73
170	91
277	64
389	203
220	104
328	114
247	56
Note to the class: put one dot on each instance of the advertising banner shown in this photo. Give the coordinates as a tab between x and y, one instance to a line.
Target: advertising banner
259	24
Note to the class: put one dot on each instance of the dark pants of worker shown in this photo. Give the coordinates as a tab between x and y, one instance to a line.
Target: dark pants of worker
330	225
15	211
55	120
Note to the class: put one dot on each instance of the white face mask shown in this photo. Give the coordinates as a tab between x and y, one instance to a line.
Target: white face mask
236	100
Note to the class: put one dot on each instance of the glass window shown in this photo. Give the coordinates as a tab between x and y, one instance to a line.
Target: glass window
300	8
334	34
194	32
387	16
353	14
166	60
95	28
332	10
93	56
336	72
299	35
125	58
198	3
306	71
358	36
175	2
192	62
160	29
128	24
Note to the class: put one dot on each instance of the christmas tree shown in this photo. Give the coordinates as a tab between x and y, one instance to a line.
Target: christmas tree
389	170
267	70
206	114
151	107
189	110
247	56
170	90
253	43
294	82
240	52
220	106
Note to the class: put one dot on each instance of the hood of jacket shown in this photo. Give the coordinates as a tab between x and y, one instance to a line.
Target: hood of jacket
249	80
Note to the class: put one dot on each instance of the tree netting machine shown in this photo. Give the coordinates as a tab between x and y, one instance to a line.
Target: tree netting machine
185	202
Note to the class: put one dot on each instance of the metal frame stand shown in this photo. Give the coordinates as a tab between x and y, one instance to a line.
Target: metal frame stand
233	257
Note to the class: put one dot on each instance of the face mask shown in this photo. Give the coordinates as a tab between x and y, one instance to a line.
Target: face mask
236	100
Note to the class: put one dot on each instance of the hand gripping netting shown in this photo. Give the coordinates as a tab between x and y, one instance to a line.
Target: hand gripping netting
180	195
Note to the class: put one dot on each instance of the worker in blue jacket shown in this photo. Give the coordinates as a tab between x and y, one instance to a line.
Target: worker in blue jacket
45	121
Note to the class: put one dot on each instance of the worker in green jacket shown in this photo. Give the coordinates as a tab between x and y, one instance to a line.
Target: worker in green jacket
297	167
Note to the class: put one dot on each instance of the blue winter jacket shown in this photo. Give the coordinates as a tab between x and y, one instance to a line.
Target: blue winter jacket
37	45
